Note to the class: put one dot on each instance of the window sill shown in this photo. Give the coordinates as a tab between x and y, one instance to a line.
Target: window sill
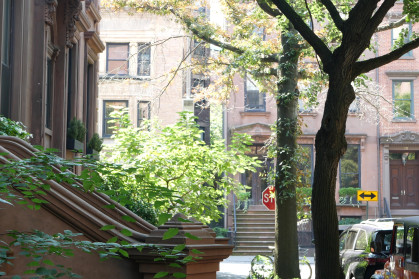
407	57
119	77
403	120
255	113
307	113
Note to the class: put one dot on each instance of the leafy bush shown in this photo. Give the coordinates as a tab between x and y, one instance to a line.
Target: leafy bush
76	130
12	128
220	232
175	170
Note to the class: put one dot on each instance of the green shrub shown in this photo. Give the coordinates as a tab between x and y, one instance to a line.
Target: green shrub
76	130
95	143
220	232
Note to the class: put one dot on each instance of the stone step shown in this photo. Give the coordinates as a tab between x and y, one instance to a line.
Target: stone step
255	229
255	238
251	219
264	243
250	253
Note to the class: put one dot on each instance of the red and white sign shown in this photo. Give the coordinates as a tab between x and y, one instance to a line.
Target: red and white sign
268	197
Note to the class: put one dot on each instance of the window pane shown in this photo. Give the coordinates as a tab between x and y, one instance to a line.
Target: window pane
349	167
5	40
143	111
118	51
361	241
402	92
305	164
144	57
109	107
399	249
349	244
118	67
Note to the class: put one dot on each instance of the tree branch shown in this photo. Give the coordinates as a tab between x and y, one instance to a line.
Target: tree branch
334	13
370	64
379	15
320	48
206	36
391	25
268	9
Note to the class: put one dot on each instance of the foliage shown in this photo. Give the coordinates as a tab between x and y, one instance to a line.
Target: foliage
221	232
9	127
348	191
95	143
76	130
349	221
173	169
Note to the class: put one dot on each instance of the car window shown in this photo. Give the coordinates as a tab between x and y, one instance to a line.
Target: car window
412	248
361	240
342	239
350	239
400	240
383	241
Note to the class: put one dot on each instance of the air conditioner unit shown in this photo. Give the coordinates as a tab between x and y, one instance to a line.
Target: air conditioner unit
188	105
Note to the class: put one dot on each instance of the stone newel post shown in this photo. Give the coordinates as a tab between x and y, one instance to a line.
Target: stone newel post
203	268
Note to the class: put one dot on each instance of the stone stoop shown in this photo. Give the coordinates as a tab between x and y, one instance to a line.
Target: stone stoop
255	232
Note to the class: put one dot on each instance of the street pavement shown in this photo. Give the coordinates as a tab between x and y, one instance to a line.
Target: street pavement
238	267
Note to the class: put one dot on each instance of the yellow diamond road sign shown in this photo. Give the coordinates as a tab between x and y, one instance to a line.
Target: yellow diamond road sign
367	195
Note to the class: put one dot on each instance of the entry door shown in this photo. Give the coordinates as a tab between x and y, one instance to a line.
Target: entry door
404	185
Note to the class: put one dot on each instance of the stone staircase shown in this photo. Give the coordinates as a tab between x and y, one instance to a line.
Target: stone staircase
255	231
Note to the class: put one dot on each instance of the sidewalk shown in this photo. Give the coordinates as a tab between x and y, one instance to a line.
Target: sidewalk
238	267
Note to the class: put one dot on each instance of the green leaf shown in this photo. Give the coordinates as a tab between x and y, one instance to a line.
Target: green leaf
161	274
34	263
128	218
112	240
190	236
179	275
16	277
107	228
195	251
123	253
178	248
164	217
126	232
42	271
48	262
175	265
170	233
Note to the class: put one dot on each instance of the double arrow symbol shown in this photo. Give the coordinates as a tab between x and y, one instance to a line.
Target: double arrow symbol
367	195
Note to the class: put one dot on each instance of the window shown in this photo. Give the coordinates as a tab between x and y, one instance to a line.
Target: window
199	48
117	58
355	106
399	249
349	167
305	164
198	83
401	35
108	108
350	239
412	240
6	70
144	59
253	99
143	111
403	99
361	241
48	99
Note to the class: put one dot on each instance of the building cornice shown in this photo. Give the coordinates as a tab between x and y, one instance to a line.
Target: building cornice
405	137
94	42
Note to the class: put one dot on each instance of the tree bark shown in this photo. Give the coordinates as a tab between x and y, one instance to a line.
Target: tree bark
286	240
330	146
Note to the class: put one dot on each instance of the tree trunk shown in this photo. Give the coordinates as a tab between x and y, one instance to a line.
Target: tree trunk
330	146
286	241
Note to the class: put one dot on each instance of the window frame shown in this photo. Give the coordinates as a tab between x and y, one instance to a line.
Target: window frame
261	107
359	167
107	59
106	119
409	26
412	105
140	55
140	120
311	147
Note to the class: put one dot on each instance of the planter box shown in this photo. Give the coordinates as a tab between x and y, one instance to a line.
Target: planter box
75	145
94	153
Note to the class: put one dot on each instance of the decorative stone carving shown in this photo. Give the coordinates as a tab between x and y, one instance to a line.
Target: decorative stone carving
406	137
50	12
72	11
